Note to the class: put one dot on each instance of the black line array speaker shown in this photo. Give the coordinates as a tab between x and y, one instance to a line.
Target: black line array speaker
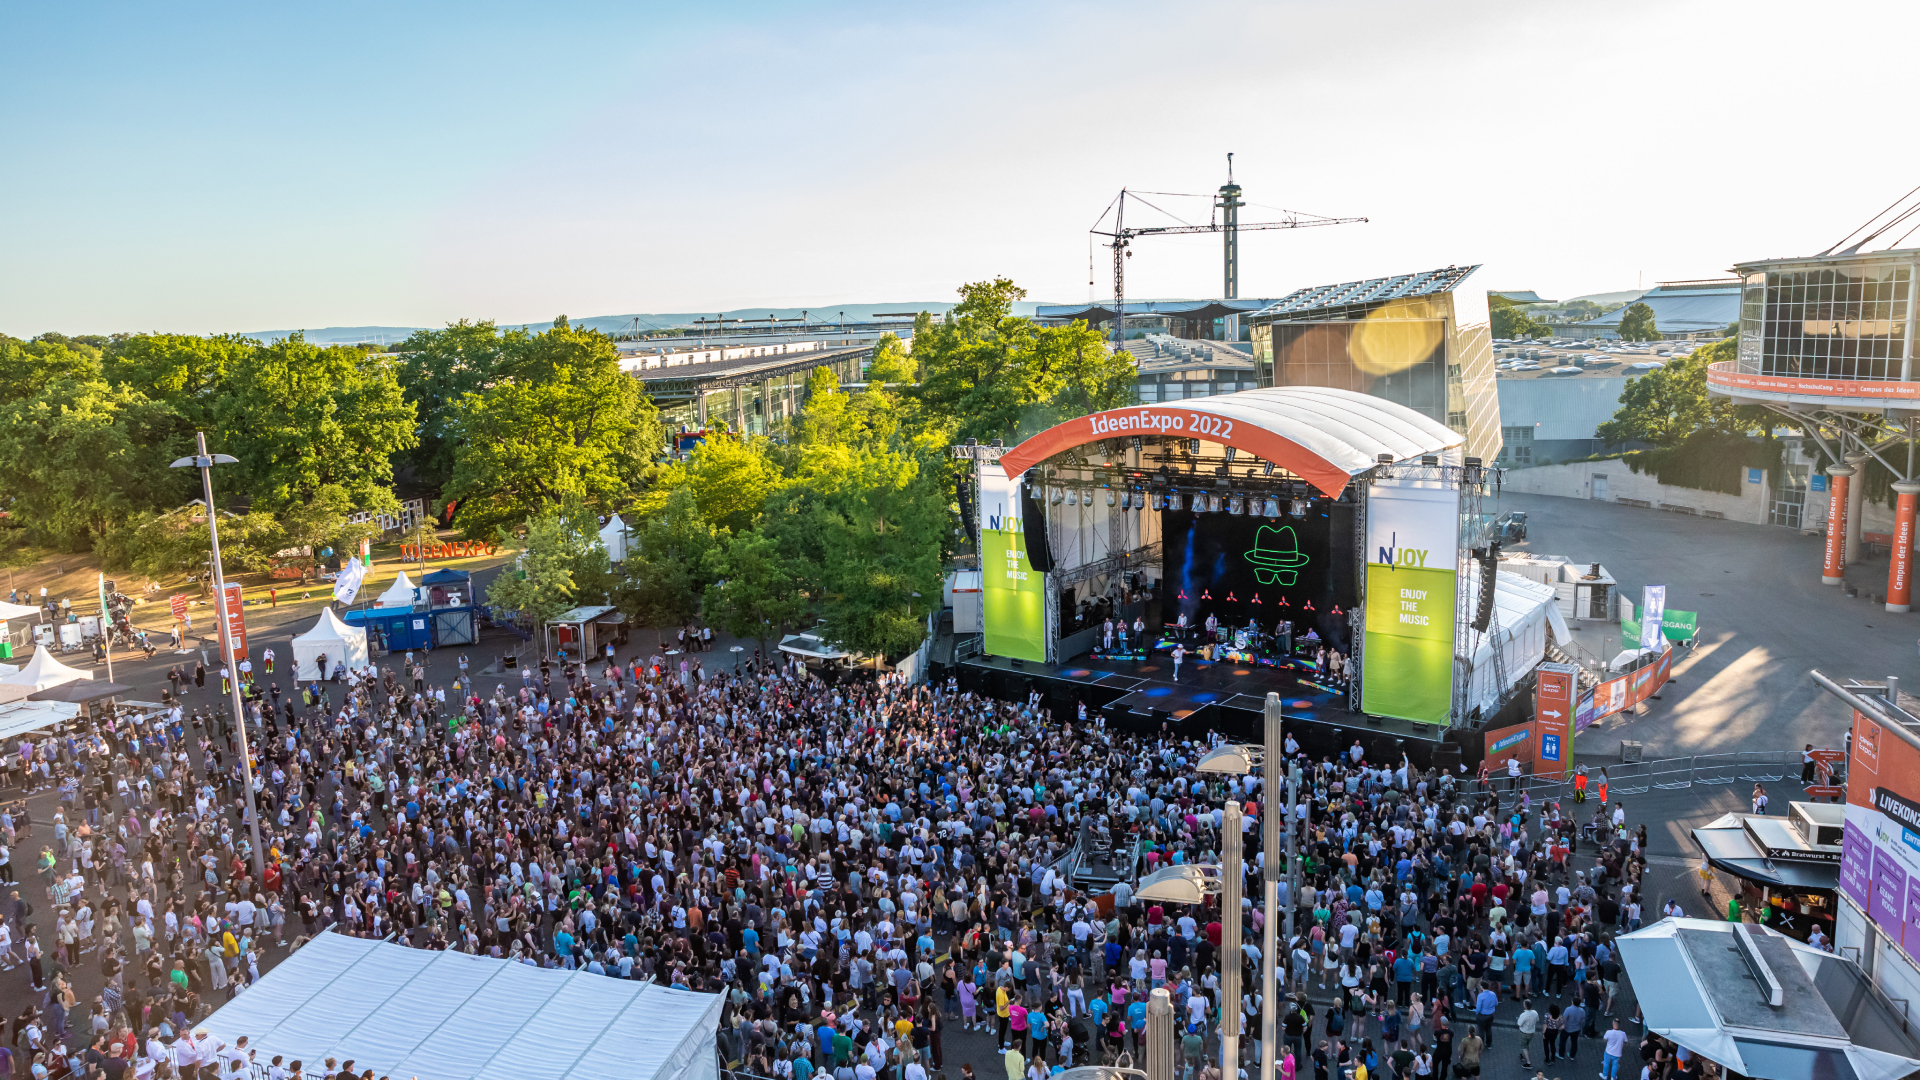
1033	524
1340	567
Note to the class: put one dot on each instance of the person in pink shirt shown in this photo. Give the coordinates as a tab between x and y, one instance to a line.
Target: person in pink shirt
1158	969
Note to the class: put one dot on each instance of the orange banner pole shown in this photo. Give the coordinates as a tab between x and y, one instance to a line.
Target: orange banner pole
1900	574
1834	572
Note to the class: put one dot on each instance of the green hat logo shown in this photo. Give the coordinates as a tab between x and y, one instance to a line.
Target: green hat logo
1276	555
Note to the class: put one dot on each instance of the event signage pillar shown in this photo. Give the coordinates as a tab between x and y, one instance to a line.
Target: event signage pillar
1412	559
1013	594
1834	572
1653	615
106	625
1233	875
1272	819
1900	574
1553	718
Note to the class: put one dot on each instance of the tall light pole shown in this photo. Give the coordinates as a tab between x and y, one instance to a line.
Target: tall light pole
1191	884
205	462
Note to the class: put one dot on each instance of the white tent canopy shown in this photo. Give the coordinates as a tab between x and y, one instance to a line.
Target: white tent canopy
43	671
1526	613
330	638
614	536
451	1016
11	610
21	717
400	594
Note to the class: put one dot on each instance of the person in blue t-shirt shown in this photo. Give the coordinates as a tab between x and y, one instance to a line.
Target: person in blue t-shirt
563	948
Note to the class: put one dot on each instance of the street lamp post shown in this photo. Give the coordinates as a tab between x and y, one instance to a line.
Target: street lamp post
205	462
1191	884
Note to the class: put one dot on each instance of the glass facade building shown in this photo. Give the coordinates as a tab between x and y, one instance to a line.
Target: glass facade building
1836	317
1415	340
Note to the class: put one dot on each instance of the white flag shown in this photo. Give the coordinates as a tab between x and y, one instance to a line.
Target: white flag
347	585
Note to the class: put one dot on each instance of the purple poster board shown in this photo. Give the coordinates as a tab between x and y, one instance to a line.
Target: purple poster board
1889	892
1856	865
1912	927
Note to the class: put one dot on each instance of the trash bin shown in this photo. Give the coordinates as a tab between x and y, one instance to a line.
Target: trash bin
6	650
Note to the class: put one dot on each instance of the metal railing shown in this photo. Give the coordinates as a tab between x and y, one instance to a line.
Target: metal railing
1664	774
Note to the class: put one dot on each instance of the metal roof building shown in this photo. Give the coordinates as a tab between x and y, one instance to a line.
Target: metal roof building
1418	339
1681	309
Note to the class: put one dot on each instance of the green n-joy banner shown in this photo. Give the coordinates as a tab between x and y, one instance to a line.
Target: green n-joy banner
1013	594
1412	564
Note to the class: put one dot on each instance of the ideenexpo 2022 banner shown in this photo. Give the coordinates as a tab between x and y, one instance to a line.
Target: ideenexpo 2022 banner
1013	596
1412	563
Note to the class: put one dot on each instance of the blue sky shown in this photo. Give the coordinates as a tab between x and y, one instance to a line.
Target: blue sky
222	167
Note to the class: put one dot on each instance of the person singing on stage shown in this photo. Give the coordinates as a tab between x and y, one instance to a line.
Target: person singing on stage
1179	654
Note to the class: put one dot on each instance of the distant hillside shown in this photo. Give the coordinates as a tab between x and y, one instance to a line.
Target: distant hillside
826	313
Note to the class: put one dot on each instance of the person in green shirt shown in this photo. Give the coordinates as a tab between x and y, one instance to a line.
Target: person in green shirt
842	1048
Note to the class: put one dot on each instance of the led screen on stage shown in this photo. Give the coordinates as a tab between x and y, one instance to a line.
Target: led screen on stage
1237	568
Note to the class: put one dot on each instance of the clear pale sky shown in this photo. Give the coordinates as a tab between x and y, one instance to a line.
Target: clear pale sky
210	167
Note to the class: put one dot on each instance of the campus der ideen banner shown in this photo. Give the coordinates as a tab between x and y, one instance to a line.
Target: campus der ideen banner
1013	594
1412	563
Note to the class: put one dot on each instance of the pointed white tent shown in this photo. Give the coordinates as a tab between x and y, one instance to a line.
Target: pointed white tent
614	535
43	671
399	595
333	639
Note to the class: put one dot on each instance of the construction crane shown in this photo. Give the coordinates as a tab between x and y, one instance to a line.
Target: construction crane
1226	221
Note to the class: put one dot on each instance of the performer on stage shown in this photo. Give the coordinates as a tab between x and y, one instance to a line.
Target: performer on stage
1139	628
1213	627
1179	654
1109	634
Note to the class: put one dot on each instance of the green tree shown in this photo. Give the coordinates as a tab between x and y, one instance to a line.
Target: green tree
883	533
561	565
300	417
28	367
438	368
185	371
559	420
727	479
755	593
891	362
988	373
665	573
321	521
1509	321
84	456
176	544
1666	405
1637	324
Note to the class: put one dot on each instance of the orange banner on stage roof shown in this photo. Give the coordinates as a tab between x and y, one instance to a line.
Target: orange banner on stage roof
1722	376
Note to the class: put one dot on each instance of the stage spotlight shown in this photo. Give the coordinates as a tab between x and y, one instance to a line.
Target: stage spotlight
1112	499
1270	508
1237	506
1193	446
1057	496
1072	459
1384	467
1266	470
1299	508
1138	442
1173	501
1159	501
1231	451
1073	497
1201	504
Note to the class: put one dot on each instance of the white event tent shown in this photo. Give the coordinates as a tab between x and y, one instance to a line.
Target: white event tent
43	671
399	594
1527	615
451	1016
613	535
333	639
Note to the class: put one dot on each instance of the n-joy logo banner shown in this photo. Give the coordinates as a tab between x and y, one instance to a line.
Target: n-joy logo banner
1412	559
1013	594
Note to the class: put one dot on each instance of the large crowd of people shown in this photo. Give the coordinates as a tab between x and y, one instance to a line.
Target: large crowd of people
859	866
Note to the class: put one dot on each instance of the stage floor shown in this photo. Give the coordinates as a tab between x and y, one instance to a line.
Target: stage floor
1225	695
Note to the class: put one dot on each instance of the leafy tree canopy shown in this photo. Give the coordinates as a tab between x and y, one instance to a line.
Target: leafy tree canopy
559	420
1665	406
1637	324
1509	320
438	368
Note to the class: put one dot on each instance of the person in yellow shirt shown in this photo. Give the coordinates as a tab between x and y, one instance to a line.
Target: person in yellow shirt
1001	1004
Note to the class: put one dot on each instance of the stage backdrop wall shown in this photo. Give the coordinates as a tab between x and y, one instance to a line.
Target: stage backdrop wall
1412	556
1239	568
1013	593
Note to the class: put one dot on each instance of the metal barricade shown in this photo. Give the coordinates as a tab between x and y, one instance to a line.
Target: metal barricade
1767	766
1716	768
1629	778
1671	774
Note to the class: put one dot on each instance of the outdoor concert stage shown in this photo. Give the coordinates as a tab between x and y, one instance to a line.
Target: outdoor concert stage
1225	697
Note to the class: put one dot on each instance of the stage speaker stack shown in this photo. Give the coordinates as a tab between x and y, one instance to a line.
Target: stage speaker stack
1034	530
1160	716
1446	758
1489	557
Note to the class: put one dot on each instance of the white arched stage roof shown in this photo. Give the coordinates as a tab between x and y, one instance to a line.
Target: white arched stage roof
1322	435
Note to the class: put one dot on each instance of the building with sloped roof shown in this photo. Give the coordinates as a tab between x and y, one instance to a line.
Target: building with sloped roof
1682	310
1420	340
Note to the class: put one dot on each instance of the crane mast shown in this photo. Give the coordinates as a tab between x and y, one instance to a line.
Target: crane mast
1226	221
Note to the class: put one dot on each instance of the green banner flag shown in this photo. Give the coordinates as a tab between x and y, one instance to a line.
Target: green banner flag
1675	626
1407	666
1013	600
